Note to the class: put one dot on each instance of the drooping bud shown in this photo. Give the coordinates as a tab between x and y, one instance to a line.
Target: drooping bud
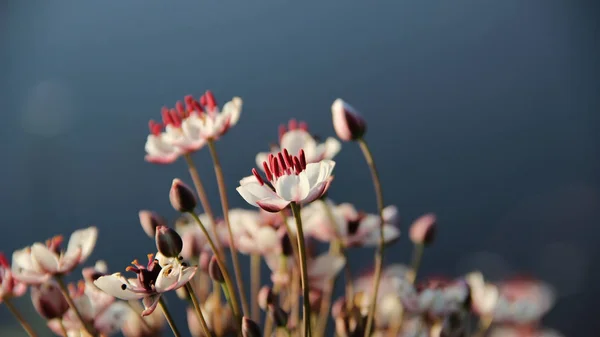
149	221
214	271
278	315
48	300
422	231
347	122
168	242
265	297
181	196
250	328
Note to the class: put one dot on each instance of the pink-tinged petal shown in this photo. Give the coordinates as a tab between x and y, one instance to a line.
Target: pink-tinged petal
391	216
84	239
150	303
21	259
115	286
45	258
233	109
251	179
168	278
253	192
347	122
315	192
112	319
70	260
19	289
332	148
273	205
390	234
186	275
159	152
325	266
31	278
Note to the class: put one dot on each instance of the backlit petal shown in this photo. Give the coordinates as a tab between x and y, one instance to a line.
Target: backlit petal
46	259
114	286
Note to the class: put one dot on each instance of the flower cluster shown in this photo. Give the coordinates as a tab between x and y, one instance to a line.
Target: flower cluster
292	220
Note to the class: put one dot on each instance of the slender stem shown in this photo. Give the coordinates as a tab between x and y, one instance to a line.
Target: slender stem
292	236
334	249
303	269
225	205
255	285
202	196
416	262
342	251
381	247
62	328
19	317
226	276
63	288
201	319
139	315
168	317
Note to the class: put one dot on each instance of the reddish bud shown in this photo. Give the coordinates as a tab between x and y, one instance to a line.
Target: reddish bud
49	301
423	230
266	297
214	271
168	242
149	221
181	196
250	328
347	121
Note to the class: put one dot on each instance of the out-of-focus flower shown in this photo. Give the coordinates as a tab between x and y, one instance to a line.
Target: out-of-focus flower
151	282
288	179
48	300
250	328
36	264
194	240
522	331
523	301
149	221
213	122
297	137
158	148
353	228
321	269
9	286
347	122
250	235
436	297
422	230
484	296
218	318
136	325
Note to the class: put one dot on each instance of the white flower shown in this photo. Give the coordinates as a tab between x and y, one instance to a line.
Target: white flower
210	122
484	296
523	301
36	264
352	227
151	283
9	286
251	237
297	137
288	179
321	269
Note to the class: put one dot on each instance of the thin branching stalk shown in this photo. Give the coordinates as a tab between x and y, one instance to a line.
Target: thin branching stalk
416	262
198	310
255	285
306	316
202	196
225	205
63	289
19	317
292	236
139	315
228	283
168	317
381	247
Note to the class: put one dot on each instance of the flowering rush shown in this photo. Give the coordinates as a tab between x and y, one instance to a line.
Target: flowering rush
307	241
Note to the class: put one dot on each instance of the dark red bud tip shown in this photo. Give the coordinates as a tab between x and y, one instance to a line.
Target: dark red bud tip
149	221
279	316
347	122
49	301
423	230
266	297
204	261
168	242
214	271
181	196
286	245
250	328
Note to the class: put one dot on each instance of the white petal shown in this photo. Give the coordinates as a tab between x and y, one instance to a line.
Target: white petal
295	140
325	266
150	303
273	205
111	319
332	147
168	277
46	259
325	170
113	285
253	192
390	215
261	158
315	192
186	275
292	187
312	172
266	238
233	108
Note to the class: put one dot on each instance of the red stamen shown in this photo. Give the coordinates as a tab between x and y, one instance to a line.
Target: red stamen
288	158
293	124
180	109
272	164
209	99
132	269
155	128
302	157
267	171
282	131
282	161
3	261
175	118
297	165
276	168
150	259
166	117
303	126
258	177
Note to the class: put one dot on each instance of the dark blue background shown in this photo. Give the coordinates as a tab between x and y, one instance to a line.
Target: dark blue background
484	112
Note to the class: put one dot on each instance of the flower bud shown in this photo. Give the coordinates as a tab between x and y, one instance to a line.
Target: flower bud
422	231
347	122
149	221
204	261
265	297
214	271
286	245
181	196
168	242
49	301
250	328
278	315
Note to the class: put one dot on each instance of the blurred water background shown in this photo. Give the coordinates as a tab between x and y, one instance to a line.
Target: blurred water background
483	112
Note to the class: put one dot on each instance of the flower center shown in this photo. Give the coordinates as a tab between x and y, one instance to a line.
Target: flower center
281	164
146	276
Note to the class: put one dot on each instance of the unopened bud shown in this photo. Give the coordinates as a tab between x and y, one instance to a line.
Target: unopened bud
422	231
286	245
149	221
265	297
347	122
278	315
214	271
250	328
49	301
168	242
181	196
204	261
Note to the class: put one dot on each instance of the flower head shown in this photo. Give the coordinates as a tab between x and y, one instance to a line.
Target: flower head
250	234
36	264
207	121
347	122
159	149
296	137
9	286
288	179
152	280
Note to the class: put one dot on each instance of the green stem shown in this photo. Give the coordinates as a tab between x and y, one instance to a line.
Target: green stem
202	195
19	317
168	317
303	269
255	285
381	247
225	205
201	319
416	262
228	283
63	288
